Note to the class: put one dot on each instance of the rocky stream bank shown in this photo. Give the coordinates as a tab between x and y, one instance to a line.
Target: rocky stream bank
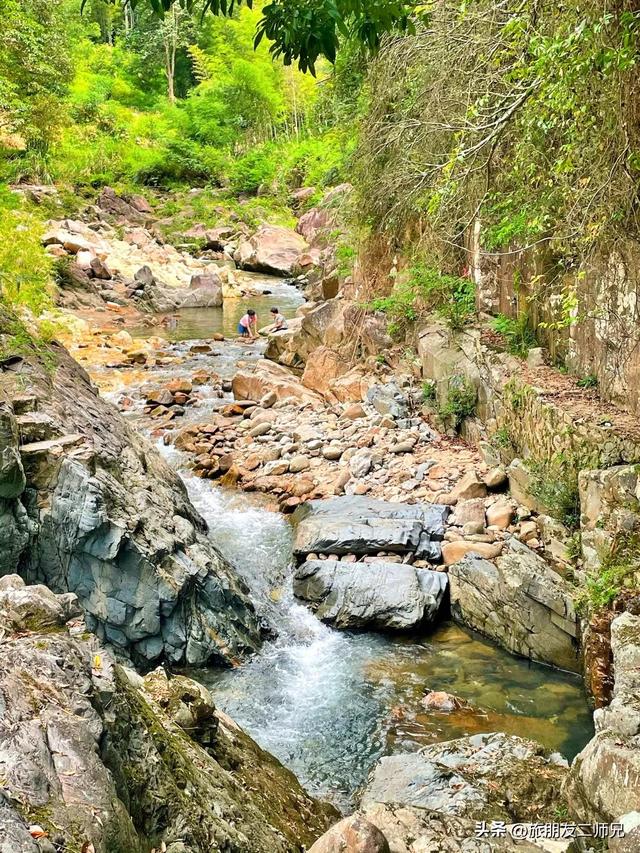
397	525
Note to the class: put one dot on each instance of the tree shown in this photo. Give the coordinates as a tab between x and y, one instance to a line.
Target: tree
304	30
35	68
163	45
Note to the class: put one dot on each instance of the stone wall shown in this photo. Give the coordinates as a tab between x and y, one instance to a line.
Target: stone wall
605	339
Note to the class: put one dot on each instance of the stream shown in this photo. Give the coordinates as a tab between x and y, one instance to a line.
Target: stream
328	704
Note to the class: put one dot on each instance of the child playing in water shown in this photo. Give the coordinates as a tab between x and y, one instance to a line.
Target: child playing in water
279	320
247	327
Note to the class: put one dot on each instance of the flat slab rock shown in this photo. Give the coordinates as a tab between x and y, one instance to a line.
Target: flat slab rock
486	776
361	525
387	596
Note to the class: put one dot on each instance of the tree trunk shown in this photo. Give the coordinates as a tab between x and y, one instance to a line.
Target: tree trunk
170	47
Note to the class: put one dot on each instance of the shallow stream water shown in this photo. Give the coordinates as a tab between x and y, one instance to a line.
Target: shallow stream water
328	704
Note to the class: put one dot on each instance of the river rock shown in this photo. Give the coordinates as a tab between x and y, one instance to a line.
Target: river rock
520	602
489	776
414	830
604	782
253	381
353	834
271	249
378	595
360	525
388	400
33	607
107	519
102	760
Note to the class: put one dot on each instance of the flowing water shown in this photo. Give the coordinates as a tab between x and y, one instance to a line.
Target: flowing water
328	704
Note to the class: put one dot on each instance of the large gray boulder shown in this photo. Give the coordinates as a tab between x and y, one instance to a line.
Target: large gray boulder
103	516
489	776
520	602
379	595
604	782
95	755
361	525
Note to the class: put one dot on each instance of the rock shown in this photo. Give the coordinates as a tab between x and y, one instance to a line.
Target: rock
33	608
110	202
438	700
557	538
112	523
323	366
467	511
353	834
388	400
520	486
604	781
12	478
77	731
414	830
354	412
488	776
535	357
520	602
359	525
260	429
468	487
205	291
332	453
500	514
387	596
496	478
122	339
453	552
271	249
360	463
263	377
268	400
298	464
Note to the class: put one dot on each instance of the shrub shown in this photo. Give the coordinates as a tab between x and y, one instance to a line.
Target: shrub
425	289
555	484
517	333
461	401
25	268
618	570
255	169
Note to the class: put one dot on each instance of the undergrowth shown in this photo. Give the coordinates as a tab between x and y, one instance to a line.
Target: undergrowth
422	289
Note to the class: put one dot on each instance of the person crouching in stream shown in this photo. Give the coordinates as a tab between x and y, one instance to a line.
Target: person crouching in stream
248	325
279	322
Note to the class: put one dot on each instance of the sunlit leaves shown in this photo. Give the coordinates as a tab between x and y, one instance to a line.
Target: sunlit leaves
305	30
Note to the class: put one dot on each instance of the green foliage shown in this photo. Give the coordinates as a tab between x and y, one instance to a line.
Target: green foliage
35	67
517	333
619	569
428	391
25	268
554	483
521	122
255	169
502	438
589	381
424	289
460	402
